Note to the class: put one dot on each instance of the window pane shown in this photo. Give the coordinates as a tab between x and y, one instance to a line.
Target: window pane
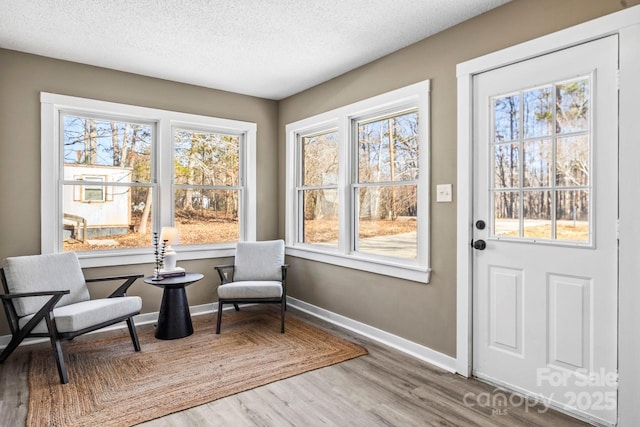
536	212
572	106
572	161
122	220
206	216
320	159
572	215
387	222
538	112
537	163
506	116
104	144
507	166
93	194
320	217
206	158
388	149
506	214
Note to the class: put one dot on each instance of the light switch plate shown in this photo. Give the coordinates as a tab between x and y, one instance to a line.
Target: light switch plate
444	193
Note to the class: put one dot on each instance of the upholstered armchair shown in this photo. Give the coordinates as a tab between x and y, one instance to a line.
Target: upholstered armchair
258	275
47	296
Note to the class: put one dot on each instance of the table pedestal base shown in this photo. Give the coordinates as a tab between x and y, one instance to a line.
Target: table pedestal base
174	320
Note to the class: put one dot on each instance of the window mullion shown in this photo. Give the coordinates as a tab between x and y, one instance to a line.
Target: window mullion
163	176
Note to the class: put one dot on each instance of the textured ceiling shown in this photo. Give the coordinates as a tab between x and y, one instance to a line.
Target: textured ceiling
265	48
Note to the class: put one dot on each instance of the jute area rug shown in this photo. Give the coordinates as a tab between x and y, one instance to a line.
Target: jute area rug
111	385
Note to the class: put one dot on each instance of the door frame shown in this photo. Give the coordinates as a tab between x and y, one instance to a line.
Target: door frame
626	24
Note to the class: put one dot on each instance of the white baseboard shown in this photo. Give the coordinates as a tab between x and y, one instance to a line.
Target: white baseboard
411	348
140	319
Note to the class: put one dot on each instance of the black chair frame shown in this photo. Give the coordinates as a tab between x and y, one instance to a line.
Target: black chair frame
46	312
224	279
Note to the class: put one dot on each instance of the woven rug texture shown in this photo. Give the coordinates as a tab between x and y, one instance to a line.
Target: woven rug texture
112	385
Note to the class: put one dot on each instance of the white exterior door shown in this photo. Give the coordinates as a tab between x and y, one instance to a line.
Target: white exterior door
546	187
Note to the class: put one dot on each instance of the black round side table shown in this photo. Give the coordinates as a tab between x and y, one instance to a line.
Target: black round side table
174	320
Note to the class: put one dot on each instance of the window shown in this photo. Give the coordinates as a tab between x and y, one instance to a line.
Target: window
104	163
92	193
113	174
207	185
318	191
358	185
385	193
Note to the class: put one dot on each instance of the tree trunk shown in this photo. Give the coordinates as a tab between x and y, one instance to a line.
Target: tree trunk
144	219
90	142
115	141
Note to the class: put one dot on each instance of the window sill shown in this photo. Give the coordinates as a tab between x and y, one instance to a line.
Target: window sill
145	255
399	270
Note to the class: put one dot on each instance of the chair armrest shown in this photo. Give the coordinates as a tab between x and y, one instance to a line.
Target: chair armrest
122	289
123	277
33	294
220	269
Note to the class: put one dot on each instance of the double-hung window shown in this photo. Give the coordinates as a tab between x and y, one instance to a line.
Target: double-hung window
357	180
207	185
114	174
317	191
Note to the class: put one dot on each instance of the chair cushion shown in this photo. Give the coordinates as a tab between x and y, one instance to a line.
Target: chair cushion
250	289
259	260
75	317
50	272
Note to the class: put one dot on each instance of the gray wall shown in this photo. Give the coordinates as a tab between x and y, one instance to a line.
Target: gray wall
425	314
24	76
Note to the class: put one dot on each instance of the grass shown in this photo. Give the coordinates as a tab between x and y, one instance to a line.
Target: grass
565	230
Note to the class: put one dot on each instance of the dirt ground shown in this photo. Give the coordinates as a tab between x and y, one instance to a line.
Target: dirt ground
222	230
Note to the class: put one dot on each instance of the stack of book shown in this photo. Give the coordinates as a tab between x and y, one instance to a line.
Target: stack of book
175	272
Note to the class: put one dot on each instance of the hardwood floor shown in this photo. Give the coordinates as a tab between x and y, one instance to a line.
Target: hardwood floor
384	388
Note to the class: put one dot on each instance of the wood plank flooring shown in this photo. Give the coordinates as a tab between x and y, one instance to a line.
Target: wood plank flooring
384	388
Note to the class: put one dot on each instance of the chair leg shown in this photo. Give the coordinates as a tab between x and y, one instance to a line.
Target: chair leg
283	307
57	348
219	317
133	333
236	307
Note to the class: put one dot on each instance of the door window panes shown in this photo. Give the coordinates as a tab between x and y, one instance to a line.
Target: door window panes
541	181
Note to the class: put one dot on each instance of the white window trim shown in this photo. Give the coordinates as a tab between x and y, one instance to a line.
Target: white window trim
416	95
164	120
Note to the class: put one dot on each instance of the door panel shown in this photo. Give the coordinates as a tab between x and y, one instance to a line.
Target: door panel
545	181
505	287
